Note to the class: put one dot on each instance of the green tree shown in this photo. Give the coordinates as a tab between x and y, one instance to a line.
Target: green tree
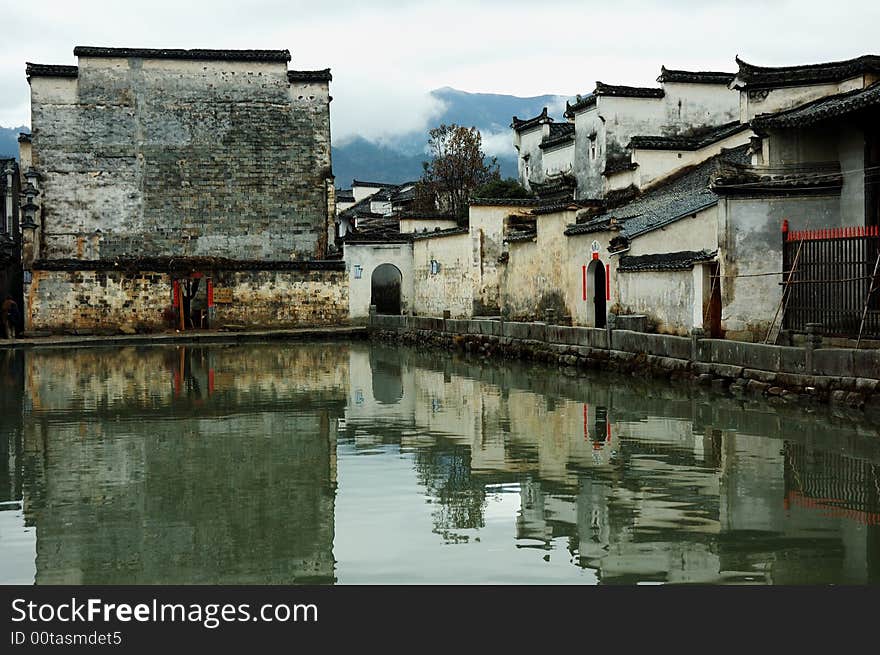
457	167
499	188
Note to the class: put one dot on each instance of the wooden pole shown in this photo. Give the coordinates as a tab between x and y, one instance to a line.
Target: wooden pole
871	290
785	291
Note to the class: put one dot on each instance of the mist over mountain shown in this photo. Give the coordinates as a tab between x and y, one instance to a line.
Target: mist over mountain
399	158
9	141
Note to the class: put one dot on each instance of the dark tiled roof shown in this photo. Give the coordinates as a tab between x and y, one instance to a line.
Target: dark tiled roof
404	194
449	232
505	202
519	237
520	125
680	195
360	208
560	133
603	89
50	70
619	165
555	187
669	261
821	110
175	53
581	103
695	77
691	142
24	137
565	205
377	229
743	179
750	76
426	215
309	76
384	194
344	195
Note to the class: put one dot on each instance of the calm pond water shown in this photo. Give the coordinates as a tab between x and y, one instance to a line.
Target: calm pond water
358	463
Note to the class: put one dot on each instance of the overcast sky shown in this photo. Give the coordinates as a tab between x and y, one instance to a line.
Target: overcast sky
386	56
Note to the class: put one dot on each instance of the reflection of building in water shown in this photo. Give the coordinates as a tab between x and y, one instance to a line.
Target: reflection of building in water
641	483
218	467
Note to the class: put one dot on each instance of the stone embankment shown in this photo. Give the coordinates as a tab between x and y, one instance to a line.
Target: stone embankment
847	377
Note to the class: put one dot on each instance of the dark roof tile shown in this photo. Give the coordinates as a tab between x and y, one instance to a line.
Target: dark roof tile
520	125
309	76
690	142
755	77
50	70
581	103
560	133
603	89
695	77
668	261
176	53
820	110
680	195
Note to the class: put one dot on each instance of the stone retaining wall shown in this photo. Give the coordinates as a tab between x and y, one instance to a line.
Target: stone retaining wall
837	375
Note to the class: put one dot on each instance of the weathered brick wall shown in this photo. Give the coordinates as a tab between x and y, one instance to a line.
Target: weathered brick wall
283	298
169	157
96	301
113	301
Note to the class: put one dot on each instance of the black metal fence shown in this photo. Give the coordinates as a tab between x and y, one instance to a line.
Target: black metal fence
831	272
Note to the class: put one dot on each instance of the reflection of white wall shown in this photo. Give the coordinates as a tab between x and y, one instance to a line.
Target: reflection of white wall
18	544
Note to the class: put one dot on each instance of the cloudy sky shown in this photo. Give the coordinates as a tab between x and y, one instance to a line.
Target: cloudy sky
386	56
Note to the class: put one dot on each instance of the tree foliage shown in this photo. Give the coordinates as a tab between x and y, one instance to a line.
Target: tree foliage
458	166
499	188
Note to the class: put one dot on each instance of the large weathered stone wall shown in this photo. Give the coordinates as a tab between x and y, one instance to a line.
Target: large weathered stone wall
173	157
284	298
109	301
87	301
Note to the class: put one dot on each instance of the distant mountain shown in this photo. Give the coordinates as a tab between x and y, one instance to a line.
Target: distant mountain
401	158
9	141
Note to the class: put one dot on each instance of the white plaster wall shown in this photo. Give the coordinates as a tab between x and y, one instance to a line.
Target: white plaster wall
559	159
588	170
620	180
536	275
579	258
788	97
380	207
657	164
528	142
692	105
452	287
750	242
361	192
368	257
342	206
487	230
667	297
53	91
696	232
410	225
